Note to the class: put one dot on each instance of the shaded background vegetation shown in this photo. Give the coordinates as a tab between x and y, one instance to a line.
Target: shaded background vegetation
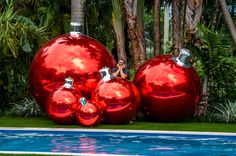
25	25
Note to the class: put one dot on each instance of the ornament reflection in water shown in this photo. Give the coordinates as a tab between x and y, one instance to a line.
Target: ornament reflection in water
169	87
62	103
120	97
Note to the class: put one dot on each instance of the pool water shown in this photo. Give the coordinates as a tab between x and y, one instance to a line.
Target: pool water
122	142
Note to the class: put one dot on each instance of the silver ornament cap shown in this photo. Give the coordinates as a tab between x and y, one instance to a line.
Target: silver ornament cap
183	59
68	82
106	74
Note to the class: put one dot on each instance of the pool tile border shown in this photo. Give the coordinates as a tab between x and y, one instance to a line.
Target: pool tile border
121	131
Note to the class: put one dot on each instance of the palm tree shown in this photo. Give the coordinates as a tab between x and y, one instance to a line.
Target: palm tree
118	26
134	17
176	22
77	15
156	27
166	25
192	17
215	14
228	20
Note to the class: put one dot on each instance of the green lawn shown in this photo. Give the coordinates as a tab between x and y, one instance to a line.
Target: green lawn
183	126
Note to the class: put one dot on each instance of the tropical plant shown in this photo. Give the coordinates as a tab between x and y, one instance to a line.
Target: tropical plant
223	112
97	27
228	20
26	107
118	26
20	38
77	14
157	27
134	17
216	65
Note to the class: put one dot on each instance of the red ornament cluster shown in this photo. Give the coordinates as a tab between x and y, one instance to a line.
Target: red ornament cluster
77	56
167	87
80	58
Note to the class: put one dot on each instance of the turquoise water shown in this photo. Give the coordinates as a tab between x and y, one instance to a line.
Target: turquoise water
125	143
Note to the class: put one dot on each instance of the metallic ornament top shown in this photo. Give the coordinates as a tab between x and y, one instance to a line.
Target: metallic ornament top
183	59
169	91
77	56
106	74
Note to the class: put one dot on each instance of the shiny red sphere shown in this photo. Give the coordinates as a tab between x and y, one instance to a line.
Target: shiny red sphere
169	91
89	114
77	56
121	98
61	105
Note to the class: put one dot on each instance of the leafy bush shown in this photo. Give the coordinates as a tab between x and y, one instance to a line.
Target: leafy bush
223	112
26	108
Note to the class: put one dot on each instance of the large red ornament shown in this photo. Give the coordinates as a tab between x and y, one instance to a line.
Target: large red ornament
61	105
169	87
88	113
120	96
77	56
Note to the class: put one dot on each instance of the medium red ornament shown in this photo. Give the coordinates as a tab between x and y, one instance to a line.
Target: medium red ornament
120	96
169	87
77	56
88	113
61	105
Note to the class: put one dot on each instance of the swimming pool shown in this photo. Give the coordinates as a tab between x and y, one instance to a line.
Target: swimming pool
117	142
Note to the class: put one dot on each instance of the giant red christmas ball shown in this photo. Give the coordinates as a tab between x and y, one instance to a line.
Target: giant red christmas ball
169	89
61	105
88	113
121	97
77	56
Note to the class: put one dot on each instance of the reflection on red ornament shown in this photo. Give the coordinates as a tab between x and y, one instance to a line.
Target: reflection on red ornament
169	87
61	105
88	113
120	96
77	56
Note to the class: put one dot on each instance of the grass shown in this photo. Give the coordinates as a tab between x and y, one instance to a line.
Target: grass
183	126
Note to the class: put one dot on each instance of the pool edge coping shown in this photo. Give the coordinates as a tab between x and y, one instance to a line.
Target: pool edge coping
121	131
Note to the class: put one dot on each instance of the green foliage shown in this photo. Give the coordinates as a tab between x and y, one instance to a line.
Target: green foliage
98	21
26	107
223	112
214	60
20	39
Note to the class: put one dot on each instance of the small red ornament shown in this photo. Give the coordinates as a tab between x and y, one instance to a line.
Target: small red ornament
169	87
88	113
120	97
61	105
77	56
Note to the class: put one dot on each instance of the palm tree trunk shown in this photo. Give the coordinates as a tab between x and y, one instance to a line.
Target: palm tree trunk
77	16
176	27
135	31
118	27
156	27
228	20
204	97
192	17
140	28
166	26
214	17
